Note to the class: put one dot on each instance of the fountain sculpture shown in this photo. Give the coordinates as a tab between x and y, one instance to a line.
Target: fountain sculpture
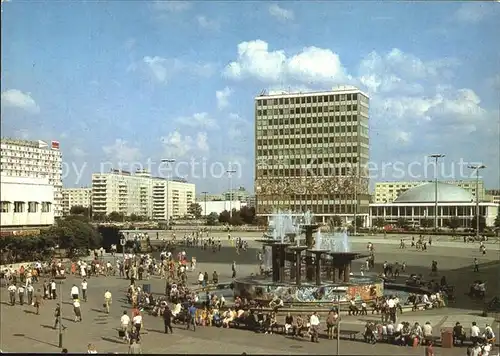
325	259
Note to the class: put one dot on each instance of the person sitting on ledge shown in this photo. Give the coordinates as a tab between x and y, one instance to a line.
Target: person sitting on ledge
276	303
353	309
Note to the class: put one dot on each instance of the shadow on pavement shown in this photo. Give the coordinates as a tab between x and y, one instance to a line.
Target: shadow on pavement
33	339
114	341
27	311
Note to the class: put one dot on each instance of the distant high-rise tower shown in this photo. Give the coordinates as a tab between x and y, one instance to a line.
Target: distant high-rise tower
312	152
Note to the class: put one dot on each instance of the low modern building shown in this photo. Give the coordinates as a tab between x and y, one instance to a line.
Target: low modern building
141	194
219	206
26	202
493	196
76	197
387	192
418	203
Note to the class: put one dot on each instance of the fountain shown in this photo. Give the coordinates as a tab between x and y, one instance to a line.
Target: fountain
287	255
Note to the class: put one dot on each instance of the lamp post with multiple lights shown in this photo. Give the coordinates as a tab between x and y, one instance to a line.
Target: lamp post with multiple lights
477	168
169	177
436	158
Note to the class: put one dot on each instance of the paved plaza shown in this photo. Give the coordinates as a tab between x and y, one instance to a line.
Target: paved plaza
23	331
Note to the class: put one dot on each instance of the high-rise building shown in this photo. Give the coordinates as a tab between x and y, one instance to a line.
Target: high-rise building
311	152
76	197
34	159
387	192
140	194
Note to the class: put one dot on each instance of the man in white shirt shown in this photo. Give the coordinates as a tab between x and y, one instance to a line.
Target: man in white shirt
12	293
390	328
20	292
474	332
77	310
489	335
74	292
125	322
314	322
399	327
53	293
30	290
137	323
84	290
427	330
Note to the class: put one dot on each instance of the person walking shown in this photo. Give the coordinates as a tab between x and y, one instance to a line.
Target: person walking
12	294
125	323
74	292
53	293
84	290
77	310
37	301
167	320
20	292
29	291
107	300
57	316
233	269
191	317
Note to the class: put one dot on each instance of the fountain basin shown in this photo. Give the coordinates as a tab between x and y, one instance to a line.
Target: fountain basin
264	289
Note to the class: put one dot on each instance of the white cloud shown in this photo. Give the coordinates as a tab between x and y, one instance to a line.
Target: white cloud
311	65
17	99
177	145
403	137
281	13
207	24
472	12
238	129
162	70
121	151
198	120
172	6
78	152
222	97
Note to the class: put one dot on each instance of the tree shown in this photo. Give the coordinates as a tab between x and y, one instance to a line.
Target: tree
402	223
236	220
454	223
334	222
73	233
482	223
116	216
224	217
379	222
247	214
80	210
426	223
212	219
360	222
195	210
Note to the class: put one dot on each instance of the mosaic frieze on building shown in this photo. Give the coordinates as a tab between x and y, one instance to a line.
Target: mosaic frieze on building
311	185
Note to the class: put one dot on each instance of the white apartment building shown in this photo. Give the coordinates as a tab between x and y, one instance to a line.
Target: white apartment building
76	197
34	159
219	206
140	194
26	202
388	192
171	199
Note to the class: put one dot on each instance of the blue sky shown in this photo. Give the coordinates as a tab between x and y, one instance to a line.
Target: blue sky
132	82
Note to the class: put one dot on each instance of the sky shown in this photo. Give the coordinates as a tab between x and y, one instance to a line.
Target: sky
127	84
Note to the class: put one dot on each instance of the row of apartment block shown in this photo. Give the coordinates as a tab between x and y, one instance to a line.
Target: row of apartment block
140	194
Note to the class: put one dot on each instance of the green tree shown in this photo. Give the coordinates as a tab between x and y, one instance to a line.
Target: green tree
334	222
482	223
195	210
212	219
454	223
236	220
74	233
116	216
247	214
426	223
360	222
402	223
224	217
379	223
80	210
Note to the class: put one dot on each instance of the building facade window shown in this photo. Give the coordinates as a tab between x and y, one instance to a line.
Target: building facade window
46	206
5	207
18	207
32	207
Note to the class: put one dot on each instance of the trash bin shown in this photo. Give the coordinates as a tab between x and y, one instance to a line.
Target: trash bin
446	339
146	288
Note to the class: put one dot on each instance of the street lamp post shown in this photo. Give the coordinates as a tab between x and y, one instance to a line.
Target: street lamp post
169	176
477	168
230	175
436	158
355	202
205	199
